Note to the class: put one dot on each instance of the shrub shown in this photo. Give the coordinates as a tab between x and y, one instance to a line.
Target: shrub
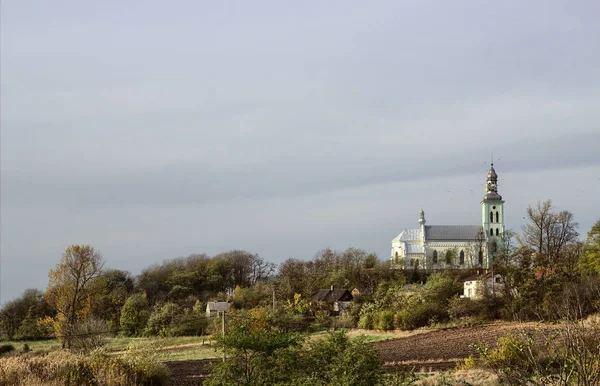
461	308
418	315
6	348
26	348
367	317
89	335
385	320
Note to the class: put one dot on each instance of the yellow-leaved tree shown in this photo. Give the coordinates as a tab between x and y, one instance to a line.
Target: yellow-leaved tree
69	289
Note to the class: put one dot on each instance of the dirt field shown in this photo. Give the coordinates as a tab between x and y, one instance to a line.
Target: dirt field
440	350
421	350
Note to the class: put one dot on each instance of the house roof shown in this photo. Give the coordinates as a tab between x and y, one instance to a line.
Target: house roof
320	295
331	296
218	306
453	232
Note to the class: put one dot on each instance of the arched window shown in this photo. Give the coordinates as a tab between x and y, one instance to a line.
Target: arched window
497	217
435	257
480	257
491	232
491	216
462	257
396	256
497	231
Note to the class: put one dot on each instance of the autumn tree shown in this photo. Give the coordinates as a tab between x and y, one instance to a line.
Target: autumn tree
69	288
590	257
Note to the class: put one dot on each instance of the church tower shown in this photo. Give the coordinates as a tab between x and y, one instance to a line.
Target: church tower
492	210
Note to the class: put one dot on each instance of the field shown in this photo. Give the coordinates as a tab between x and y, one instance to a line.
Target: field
423	350
441	350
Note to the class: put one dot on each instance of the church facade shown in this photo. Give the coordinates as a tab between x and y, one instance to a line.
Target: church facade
433	247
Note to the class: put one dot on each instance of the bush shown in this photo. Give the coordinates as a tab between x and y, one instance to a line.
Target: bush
418	315
461	308
386	320
26	348
6	348
368	316
89	335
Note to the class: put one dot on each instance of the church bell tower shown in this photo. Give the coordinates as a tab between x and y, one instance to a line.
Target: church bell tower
492	210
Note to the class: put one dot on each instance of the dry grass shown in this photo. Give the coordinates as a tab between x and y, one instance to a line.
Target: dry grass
461	377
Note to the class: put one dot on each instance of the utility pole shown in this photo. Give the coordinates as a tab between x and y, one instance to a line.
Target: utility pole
223	330
273	298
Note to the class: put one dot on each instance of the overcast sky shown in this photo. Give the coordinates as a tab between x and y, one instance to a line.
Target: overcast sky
158	129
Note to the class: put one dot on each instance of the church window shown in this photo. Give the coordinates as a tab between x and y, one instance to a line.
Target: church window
491	232
435	257
480	257
491	216
494	207
497	217
497	231
462	257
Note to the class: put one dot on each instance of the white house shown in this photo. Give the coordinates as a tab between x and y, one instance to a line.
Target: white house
476	285
454	246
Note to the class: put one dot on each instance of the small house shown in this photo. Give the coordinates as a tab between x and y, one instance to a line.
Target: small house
214	308
335	300
474	286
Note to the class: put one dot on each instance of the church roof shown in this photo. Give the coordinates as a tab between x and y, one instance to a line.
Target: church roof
412	248
453	232
409	235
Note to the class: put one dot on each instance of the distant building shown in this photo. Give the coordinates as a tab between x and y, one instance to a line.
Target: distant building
475	286
213	308
336	300
454	246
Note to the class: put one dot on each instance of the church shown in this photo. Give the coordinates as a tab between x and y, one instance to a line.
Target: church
434	247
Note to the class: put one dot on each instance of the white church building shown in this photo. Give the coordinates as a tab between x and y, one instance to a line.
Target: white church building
454	246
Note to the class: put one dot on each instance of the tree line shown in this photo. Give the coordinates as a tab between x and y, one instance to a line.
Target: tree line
539	264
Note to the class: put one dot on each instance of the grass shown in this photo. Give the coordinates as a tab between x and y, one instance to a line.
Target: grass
171	349
182	348
35	345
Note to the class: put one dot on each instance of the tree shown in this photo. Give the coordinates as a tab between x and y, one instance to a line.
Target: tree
69	287
135	314
590	257
112	288
12	315
548	234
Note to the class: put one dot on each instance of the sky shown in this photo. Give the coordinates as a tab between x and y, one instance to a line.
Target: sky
153	130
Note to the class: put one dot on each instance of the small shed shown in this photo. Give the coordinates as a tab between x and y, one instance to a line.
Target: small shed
213	308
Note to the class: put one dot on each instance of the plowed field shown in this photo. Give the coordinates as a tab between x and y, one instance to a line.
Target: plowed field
430	351
442	349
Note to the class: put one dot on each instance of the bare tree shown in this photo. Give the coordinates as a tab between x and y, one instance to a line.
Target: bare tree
548	233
